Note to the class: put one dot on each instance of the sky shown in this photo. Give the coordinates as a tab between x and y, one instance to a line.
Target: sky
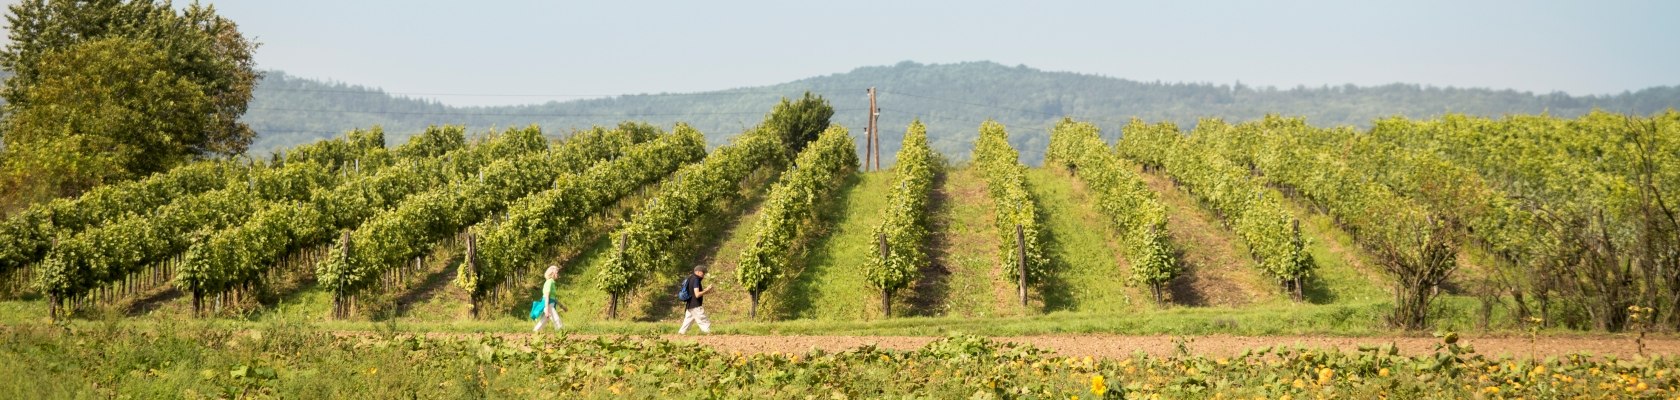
527	51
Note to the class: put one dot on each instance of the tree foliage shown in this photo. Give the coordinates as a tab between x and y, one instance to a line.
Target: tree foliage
799	122
110	90
1028	100
1584	209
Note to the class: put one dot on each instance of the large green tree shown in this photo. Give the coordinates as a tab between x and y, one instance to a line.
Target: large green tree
799	122
108	89
104	109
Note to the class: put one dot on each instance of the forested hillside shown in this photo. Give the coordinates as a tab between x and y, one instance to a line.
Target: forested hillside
950	98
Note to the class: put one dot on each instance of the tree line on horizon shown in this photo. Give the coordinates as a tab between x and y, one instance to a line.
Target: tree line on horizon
949	98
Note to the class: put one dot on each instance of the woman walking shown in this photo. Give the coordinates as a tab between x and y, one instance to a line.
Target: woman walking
549	304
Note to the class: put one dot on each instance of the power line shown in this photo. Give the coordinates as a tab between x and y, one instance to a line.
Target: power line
1024	110
1100	121
543	115
579	95
975	104
385	93
731	92
975	121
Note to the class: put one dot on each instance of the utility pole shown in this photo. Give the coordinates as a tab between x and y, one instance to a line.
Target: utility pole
871	131
874	139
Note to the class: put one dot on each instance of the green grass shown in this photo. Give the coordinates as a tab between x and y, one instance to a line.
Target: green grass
1343	273
576	286
654	300
728	302
963	280
12	311
964	251
832	285
1089	273
311	302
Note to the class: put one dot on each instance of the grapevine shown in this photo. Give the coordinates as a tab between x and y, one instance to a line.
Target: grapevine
790	211
1132	207
904	223
1012	205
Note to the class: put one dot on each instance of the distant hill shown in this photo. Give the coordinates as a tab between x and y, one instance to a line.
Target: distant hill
951	98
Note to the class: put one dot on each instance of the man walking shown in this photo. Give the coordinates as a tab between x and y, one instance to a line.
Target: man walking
695	314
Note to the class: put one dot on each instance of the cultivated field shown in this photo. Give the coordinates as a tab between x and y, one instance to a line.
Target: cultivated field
1453	258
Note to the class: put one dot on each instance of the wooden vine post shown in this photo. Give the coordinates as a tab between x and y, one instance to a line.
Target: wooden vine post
471	264
753	312
886	293
1300	291
1155	286
612	304
338	295
1021	261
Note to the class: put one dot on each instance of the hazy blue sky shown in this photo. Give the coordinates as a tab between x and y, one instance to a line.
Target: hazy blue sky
617	47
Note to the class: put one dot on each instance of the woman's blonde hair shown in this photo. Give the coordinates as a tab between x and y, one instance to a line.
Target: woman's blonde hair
552	272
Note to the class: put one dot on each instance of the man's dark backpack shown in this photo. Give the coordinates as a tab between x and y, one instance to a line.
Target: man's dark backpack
682	289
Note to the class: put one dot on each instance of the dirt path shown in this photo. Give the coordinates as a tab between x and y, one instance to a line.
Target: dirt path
1121	346
1106	346
1216	272
964	247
